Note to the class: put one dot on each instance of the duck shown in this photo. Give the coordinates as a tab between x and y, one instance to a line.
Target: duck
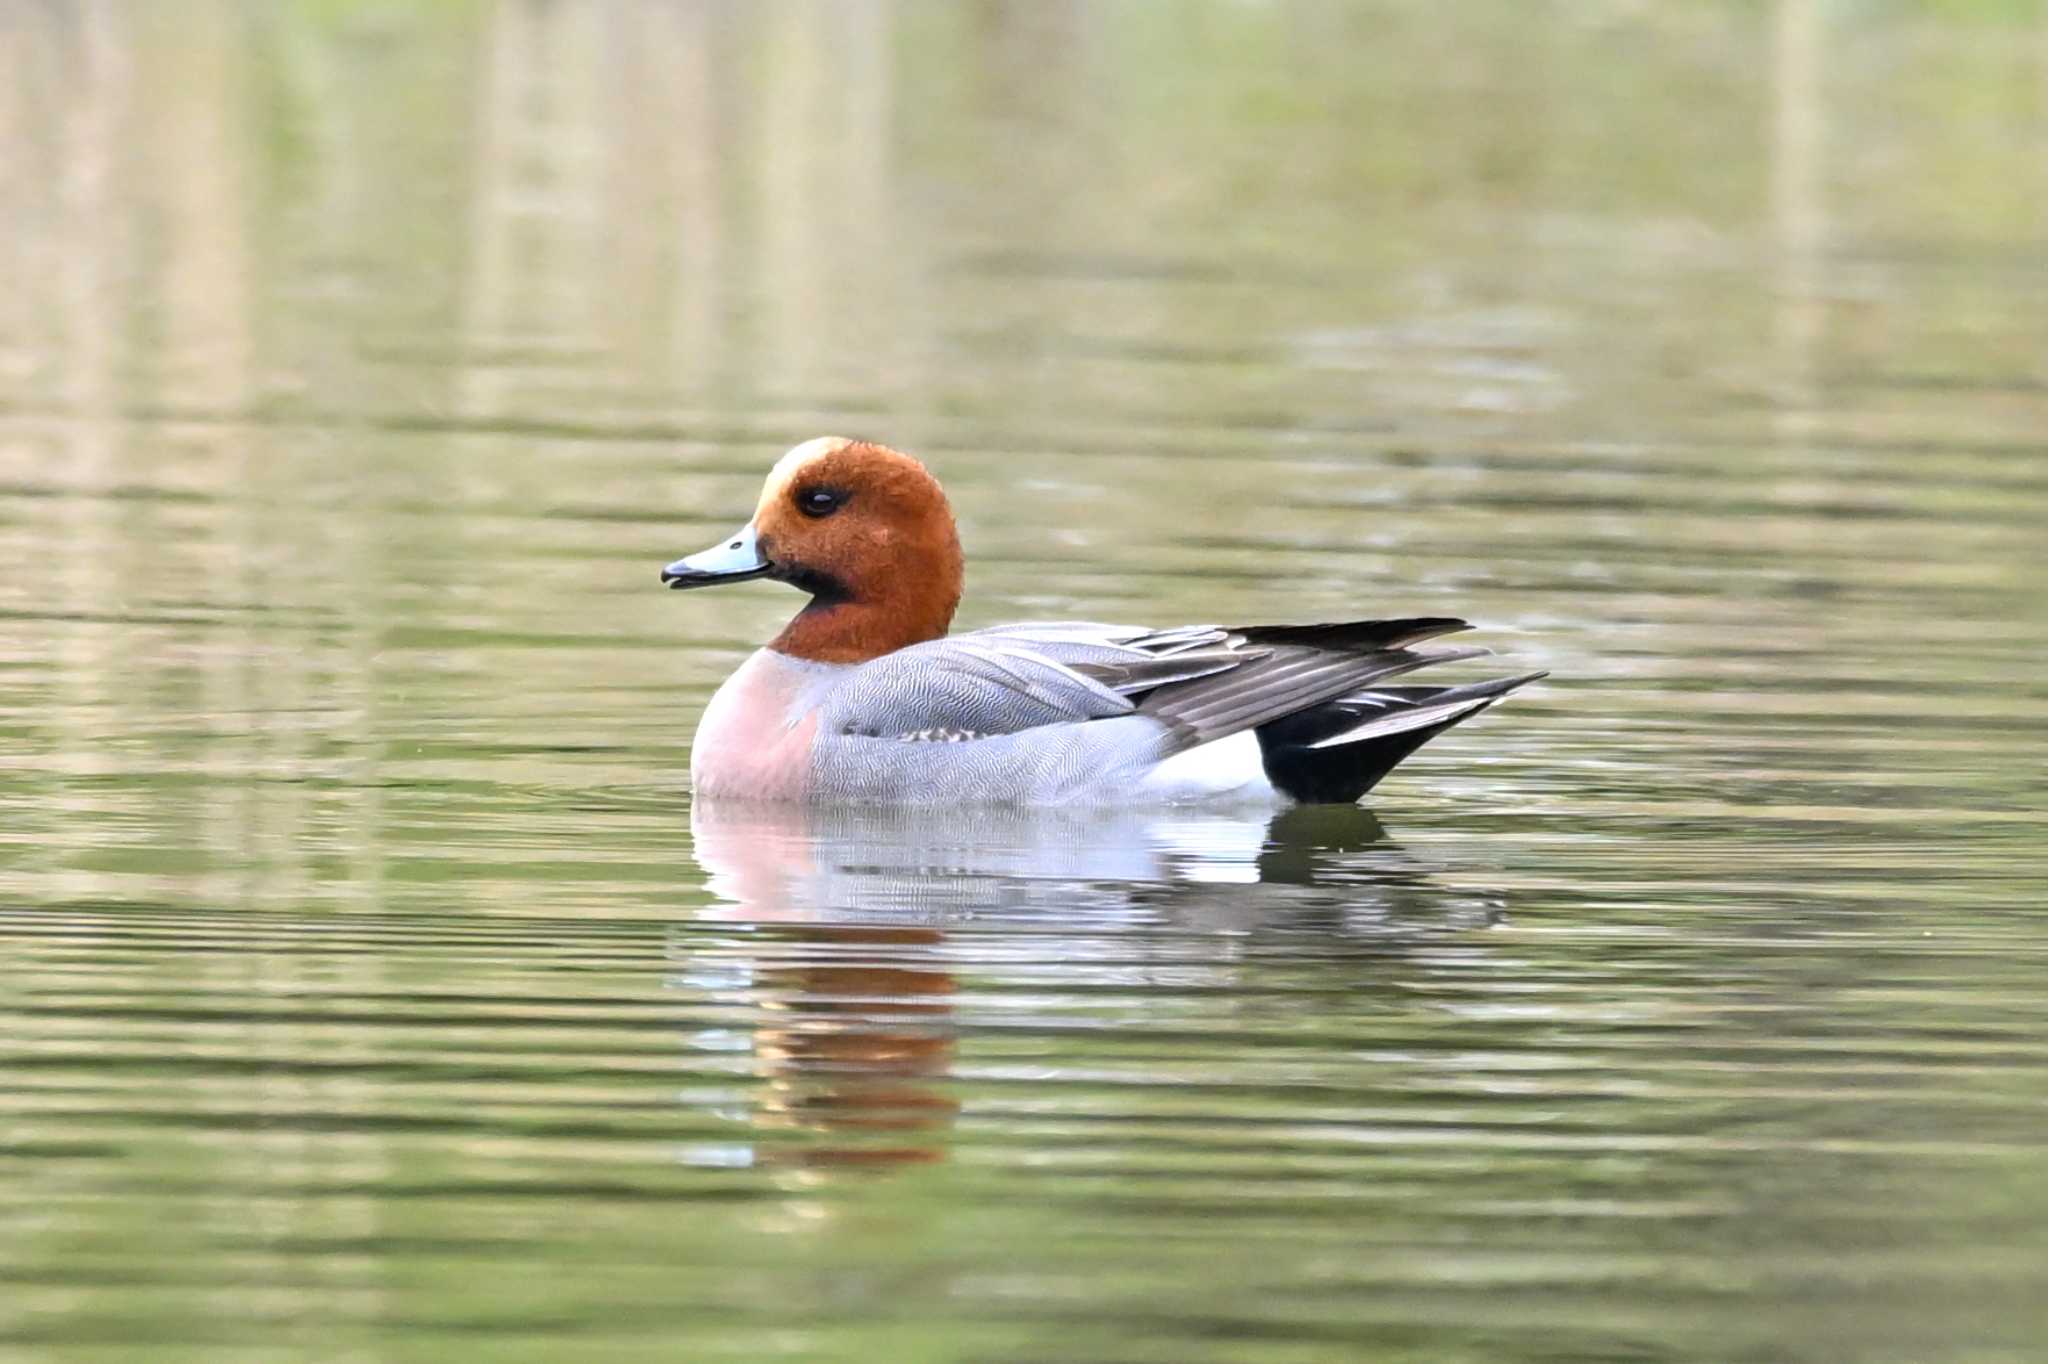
866	697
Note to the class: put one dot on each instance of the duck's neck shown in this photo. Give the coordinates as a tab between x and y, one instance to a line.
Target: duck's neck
850	630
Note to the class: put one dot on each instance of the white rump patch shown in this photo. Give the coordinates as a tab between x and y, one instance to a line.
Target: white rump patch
1230	767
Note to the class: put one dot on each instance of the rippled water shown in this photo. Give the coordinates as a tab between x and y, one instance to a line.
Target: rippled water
370	988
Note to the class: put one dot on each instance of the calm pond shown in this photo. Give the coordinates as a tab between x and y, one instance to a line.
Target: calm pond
369	988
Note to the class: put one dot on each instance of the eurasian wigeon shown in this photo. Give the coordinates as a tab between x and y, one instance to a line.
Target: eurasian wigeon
864	697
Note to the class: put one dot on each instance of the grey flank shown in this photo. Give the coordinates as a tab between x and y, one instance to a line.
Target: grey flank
1058	712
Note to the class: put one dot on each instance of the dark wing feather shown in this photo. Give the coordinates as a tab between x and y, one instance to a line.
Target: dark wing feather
1290	668
1355	636
1144	673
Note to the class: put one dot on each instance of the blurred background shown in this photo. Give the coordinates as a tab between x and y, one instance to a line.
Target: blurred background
367	992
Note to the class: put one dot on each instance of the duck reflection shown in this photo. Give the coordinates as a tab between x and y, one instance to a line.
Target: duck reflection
857	922
861	1040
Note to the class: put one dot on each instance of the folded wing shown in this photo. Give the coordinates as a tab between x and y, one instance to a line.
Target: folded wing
1201	682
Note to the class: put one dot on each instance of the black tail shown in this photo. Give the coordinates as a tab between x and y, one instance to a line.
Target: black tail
1338	751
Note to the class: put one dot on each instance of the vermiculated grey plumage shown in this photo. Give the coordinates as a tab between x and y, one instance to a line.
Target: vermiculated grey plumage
1045	711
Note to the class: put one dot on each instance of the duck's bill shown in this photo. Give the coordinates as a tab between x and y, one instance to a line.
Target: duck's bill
734	560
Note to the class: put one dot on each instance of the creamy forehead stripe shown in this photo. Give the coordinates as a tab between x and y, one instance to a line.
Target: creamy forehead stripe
785	471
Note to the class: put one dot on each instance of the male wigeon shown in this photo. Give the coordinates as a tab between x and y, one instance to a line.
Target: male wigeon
864	697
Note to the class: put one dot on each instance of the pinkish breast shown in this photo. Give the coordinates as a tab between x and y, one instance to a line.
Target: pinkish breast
754	742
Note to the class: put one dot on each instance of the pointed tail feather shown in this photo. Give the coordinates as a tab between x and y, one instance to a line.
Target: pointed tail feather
1338	751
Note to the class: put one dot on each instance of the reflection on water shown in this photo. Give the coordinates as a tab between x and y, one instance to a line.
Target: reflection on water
369	990
858	976
857	1041
857	864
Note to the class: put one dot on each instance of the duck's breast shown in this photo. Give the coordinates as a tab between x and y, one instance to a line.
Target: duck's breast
756	737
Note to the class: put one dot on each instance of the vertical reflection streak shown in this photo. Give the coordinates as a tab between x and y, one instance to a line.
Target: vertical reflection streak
1797	211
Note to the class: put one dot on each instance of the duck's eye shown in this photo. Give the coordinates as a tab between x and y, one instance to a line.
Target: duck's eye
818	502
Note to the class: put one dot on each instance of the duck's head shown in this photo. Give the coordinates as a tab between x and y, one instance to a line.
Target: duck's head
865	530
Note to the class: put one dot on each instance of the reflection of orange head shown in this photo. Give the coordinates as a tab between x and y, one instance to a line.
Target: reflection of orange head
859	1045
867	531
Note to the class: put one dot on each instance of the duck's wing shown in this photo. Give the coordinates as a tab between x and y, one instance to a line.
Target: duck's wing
1130	660
1286	669
966	687
1202	682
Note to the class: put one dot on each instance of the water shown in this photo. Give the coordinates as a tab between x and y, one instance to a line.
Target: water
371	990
